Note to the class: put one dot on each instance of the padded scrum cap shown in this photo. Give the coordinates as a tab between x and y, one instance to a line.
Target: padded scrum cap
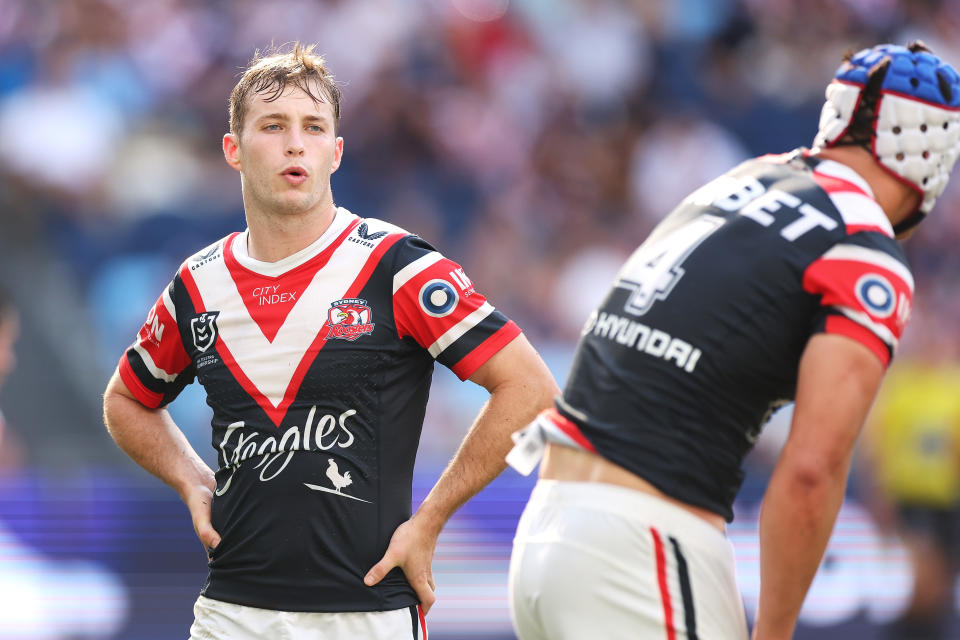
916	133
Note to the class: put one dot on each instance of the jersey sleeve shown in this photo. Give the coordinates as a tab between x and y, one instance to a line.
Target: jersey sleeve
436	304
865	292
156	367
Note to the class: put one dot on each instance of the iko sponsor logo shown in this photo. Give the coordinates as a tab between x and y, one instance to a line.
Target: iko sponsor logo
653	342
876	294
463	282
438	298
318	434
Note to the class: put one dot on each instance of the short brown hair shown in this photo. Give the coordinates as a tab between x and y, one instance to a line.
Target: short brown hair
270	71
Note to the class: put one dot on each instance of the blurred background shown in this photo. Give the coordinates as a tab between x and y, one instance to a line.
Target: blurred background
537	142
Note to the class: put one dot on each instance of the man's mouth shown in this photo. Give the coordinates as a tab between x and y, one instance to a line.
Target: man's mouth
295	175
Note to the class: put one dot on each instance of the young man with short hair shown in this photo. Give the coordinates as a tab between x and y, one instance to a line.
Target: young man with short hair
314	334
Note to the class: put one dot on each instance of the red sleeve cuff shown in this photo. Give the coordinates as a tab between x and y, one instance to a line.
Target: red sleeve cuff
476	358
147	398
843	325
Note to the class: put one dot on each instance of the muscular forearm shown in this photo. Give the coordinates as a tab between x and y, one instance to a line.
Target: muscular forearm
154	441
798	514
480	457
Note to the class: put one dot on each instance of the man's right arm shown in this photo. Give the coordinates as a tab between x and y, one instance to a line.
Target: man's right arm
153	440
838	379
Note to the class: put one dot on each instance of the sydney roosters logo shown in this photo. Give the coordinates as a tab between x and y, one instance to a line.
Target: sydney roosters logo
349	319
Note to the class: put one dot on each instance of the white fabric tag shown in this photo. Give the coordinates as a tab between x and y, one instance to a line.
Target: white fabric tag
528	448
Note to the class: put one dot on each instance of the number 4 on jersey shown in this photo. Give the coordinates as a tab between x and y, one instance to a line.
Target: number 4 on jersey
654	268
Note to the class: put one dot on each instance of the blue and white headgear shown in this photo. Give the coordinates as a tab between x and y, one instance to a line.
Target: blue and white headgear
903	105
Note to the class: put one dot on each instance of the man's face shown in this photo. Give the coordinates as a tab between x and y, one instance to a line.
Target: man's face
286	153
9	330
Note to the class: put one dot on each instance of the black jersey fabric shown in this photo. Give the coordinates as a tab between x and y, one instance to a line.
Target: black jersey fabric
700	337
317	369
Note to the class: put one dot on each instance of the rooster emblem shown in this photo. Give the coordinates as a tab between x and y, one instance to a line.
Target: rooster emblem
349	319
339	480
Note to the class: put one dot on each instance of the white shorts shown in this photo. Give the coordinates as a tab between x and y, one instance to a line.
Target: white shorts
218	620
595	560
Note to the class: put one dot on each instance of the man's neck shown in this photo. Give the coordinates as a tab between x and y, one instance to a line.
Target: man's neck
895	198
273	238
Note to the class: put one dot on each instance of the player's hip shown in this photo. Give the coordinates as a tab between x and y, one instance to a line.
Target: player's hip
218	620
594	556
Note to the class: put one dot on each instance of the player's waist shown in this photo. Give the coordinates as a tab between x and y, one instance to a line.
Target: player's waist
567	464
569	457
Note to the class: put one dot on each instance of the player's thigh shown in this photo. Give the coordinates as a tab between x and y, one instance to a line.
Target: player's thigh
582	574
217	620
559	592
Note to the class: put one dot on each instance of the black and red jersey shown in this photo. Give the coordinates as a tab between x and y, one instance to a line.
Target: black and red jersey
700	337
317	368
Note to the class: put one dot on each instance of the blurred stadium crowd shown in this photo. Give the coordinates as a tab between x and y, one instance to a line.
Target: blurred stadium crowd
535	141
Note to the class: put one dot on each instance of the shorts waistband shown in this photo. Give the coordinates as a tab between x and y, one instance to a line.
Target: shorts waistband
634	505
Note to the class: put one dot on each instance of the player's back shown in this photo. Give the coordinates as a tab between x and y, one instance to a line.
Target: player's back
701	335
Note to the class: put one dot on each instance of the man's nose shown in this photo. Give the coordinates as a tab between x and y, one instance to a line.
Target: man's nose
294	144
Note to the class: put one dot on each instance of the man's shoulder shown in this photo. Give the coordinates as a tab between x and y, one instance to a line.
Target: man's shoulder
372	232
207	255
407	245
375	228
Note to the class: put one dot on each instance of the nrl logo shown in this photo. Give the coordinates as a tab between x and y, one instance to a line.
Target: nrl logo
348	319
204	329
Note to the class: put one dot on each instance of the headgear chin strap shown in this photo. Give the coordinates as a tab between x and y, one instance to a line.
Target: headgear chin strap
914	127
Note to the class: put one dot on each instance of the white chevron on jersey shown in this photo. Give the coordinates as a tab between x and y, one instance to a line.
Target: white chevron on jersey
859	210
866	255
168	304
452	334
843	172
152	367
855	202
404	276
270	365
865	321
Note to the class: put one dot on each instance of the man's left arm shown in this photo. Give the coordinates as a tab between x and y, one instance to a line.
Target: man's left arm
520	385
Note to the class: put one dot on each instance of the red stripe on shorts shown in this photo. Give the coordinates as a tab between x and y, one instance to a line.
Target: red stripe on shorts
423	623
662	580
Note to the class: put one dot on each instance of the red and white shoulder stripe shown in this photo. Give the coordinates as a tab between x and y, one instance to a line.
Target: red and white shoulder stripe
157	357
867	293
437	305
852	197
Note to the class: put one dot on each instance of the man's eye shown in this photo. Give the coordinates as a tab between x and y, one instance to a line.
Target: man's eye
315	128
272	127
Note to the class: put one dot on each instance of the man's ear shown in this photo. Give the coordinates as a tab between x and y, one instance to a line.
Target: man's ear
231	150
337	155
